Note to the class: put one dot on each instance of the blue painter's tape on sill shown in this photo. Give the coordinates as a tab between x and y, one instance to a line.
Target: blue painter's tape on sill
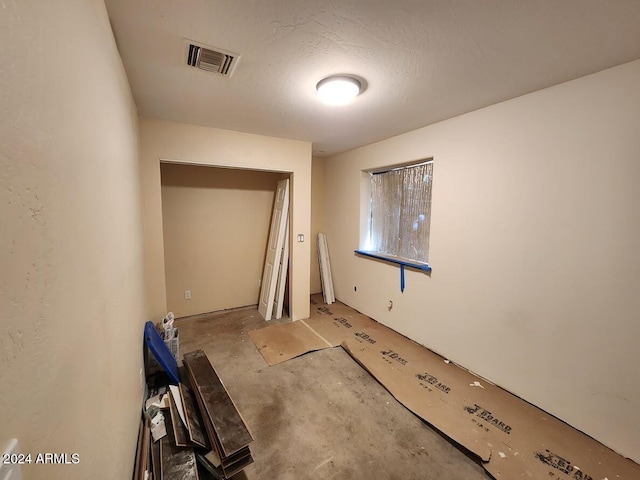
403	263
420	266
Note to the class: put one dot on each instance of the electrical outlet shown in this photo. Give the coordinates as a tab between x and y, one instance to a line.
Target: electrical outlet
187	294
10	470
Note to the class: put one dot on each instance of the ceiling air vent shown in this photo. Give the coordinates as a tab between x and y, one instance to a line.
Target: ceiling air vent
210	60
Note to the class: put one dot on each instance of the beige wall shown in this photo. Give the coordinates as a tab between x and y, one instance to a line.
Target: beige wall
189	144
317	219
215	223
71	290
534	248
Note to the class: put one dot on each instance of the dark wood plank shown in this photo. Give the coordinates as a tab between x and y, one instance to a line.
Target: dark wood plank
231	431
194	419
176	463
226	420
155	460
230	460
206	420
138	463
218	470
143	453
217	449
241	464
215	471
179	430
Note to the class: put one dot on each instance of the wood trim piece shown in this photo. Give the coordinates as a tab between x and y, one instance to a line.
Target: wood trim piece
180	432
282	274
325	270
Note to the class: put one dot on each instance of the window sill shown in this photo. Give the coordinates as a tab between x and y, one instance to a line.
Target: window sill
425	267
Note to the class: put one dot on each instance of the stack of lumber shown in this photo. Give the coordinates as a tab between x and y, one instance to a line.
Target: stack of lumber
225	427
203	426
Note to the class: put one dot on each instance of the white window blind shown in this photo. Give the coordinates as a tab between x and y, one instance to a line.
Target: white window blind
401	212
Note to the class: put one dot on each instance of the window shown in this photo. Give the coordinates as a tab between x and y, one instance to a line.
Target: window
401	212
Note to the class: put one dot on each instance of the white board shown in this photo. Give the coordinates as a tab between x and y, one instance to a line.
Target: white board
274	250
282	275
325	270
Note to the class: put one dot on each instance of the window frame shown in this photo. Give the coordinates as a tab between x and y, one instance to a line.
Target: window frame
366	250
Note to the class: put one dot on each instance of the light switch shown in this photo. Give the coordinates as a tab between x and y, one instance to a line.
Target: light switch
300	237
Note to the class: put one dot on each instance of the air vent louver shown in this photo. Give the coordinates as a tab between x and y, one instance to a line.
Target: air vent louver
203	58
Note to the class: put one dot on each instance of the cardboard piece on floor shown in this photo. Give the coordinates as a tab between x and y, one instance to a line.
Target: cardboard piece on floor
336	324
433	398
328	326
278	343
512	437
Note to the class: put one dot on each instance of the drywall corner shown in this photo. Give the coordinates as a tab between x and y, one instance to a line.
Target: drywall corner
317	219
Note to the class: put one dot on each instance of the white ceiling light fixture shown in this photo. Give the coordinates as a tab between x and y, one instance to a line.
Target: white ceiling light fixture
338	89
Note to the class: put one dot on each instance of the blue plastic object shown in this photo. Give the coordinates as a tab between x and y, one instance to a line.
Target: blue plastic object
162	353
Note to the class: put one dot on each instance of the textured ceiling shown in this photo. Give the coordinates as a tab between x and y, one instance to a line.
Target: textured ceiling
423	60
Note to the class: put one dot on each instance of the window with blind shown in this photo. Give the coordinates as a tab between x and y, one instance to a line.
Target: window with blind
401	212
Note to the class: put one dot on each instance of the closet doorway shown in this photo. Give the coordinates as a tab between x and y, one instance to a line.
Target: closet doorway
215	228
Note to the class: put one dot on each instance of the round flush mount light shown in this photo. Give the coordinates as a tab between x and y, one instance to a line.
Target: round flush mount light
338	89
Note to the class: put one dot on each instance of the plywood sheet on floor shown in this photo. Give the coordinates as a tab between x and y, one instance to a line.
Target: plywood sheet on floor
278	343
513	438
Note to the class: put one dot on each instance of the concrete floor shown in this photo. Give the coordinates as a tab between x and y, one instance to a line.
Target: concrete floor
319	416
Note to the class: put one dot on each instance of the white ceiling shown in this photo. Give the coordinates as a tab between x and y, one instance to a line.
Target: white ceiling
424	60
